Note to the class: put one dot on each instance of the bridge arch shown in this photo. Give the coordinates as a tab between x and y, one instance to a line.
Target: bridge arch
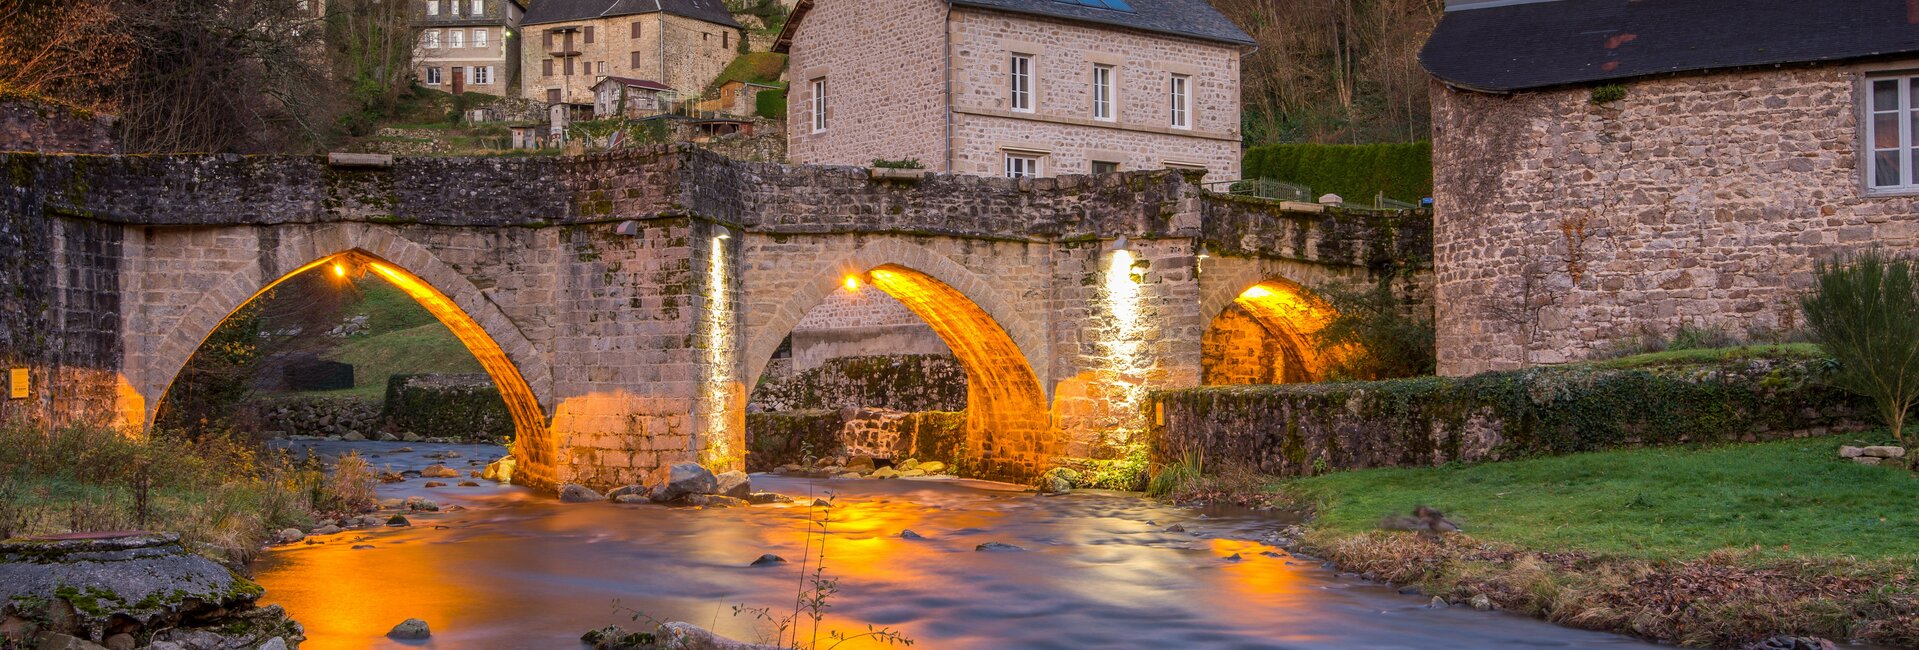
1267	333
510	360
1008	425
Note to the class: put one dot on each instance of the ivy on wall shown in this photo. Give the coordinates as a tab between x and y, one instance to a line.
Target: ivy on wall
1291	429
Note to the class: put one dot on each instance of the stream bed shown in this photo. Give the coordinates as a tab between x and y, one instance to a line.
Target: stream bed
1097	570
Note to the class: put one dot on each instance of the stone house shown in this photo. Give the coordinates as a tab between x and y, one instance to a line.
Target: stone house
736	97
468	45
1611	171
572	44
628	97
1016	87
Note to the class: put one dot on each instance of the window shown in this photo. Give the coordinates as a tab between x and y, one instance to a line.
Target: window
433	76
635	65
456	38
1893	131
1018	166
726	40
589	33
479	7
1103	167
548	38
602	67
1020	72
546	68
637	30
482	74
1103	93
569	66
432	37
432	7
1182	96
819	105
479	38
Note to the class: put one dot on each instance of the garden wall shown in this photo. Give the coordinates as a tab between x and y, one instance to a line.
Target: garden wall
902	382
1303	429
466	408
800	437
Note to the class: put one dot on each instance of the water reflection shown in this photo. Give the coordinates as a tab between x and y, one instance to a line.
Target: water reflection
518	571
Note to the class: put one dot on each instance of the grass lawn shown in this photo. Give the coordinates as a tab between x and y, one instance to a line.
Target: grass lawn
403	338
1786	351
1791	499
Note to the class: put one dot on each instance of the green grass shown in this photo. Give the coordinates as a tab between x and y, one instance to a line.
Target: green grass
403	338
1791	499
1788	351
754	67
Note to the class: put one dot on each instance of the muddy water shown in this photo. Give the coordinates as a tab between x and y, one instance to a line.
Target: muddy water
521	571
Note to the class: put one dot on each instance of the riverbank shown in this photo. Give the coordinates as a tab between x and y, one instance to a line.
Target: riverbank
1720	546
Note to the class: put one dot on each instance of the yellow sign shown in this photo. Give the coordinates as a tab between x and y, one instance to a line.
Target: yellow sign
17	381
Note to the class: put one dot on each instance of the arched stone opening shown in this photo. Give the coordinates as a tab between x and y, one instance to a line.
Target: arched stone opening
533	445
1267	335
1007	425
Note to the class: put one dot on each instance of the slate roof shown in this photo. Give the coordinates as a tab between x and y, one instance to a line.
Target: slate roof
636	83
1527	45
1190	18
546	12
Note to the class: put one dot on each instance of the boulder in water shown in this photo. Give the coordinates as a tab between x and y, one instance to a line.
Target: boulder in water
733	484
410	629
437	470
572	493
683	479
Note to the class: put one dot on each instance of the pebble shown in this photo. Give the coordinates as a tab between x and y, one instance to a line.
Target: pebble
768	559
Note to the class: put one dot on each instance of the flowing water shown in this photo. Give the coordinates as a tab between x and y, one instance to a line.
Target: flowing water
517	570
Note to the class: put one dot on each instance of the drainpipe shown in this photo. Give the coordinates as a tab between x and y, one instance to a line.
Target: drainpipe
947	29
661	34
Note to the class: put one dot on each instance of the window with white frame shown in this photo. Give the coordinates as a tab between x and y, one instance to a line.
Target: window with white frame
479	7
819	105
1103	92
1892	131
479	38
1181	93
433	76
432	7
456	38
1022	166
480	74
432	38
1020	74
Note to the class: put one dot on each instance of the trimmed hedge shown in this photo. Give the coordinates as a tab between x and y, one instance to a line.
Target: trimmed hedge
1404	171
1303	429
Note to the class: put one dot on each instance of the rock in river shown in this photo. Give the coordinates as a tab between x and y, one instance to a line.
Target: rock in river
439	471
686	478
572	493
410	629
733	484
996	547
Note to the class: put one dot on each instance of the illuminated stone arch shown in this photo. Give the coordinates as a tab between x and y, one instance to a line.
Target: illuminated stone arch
516	368
1264	332
1008	424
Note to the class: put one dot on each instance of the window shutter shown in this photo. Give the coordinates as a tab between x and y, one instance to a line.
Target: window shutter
549	40
589	33
636	29
569	66
546	67
636	61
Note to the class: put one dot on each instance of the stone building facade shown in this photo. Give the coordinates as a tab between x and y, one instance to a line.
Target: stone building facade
1015	87
572	44
468	45
1580	217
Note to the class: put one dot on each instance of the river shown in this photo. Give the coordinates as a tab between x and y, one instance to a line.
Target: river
1098	570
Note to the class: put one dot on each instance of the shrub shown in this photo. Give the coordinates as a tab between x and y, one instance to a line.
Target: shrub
1865	312
1354	171
770	104
908	163
1375	335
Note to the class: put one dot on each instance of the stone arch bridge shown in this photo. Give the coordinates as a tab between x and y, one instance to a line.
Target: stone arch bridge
625	302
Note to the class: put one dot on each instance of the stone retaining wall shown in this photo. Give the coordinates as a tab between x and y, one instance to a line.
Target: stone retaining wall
36	126
467	408
898	382
1304	429
799	437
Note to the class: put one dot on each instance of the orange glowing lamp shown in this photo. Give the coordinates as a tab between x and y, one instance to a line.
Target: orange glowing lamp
852	283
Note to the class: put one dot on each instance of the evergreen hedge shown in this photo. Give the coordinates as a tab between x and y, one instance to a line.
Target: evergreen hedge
1404	171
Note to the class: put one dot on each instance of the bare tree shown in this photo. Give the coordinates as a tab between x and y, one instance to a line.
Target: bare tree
68	49
1335	70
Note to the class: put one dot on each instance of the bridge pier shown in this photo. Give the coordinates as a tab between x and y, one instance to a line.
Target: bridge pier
627	303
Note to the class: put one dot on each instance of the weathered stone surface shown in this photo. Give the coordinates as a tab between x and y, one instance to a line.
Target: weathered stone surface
686	636
410	629
734	484
683	479
571	493
85	587
1851	452
1884	451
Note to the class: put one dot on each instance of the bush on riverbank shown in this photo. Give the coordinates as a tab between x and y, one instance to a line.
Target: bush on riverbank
217	491
1717	546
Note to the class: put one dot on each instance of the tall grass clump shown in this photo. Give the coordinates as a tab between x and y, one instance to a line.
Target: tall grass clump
1865	313
218	491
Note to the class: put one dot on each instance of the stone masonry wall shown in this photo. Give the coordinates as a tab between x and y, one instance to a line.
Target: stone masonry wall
1565	227
885	95
1306	429
900	382
27	125
694	52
